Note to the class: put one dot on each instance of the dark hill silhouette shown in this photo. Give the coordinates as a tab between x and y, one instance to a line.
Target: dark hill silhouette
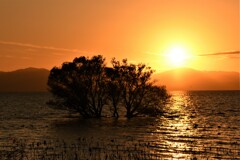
35	80
190	79
24	80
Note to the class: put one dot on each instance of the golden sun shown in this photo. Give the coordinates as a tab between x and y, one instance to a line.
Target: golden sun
176	56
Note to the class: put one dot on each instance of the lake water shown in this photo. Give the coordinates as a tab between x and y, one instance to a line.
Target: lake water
195	125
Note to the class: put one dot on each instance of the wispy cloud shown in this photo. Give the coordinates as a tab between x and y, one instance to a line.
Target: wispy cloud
231	53
39	47
221	53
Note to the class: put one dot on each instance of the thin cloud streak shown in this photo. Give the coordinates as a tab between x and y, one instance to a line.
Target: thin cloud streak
38	47
209	54
221	53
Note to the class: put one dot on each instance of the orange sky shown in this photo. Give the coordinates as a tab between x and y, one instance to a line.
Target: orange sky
45	33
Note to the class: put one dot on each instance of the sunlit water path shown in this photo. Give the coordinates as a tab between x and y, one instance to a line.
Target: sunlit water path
195	125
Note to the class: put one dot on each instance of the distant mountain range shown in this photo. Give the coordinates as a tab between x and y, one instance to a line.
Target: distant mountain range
35	80
190	79
24	80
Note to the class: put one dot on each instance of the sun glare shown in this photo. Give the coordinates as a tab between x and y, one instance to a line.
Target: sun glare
176	56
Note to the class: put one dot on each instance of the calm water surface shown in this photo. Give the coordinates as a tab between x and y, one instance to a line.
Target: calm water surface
196	124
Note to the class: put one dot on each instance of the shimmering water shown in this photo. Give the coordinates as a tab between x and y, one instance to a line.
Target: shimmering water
196	124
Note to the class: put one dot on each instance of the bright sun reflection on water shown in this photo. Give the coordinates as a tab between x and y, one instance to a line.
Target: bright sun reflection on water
179	125
195	125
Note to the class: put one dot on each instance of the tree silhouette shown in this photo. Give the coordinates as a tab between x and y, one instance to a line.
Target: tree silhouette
114	90
80	85
139	95
87	85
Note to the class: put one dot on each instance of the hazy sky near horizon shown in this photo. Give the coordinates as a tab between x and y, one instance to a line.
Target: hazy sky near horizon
46	33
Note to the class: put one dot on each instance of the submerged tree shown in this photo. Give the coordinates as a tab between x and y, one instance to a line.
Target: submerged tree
138	94
114	90
80	86
87	85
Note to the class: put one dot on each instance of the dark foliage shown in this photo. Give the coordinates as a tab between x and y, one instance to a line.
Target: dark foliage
138	94
114	89
86	86
80	85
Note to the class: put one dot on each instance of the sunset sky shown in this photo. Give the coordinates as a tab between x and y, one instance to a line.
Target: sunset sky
199	34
